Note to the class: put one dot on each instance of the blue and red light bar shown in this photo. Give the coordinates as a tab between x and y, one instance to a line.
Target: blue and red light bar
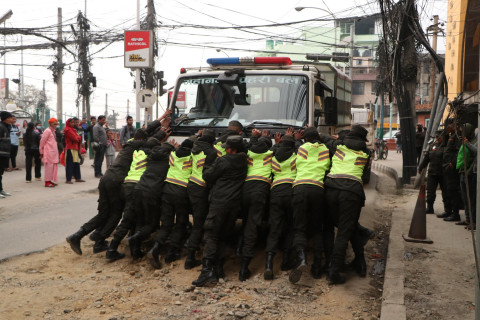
285	61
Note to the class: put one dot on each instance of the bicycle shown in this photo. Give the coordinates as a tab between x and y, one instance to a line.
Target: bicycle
381	149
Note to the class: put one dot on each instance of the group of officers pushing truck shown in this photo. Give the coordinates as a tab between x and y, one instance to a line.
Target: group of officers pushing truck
157	185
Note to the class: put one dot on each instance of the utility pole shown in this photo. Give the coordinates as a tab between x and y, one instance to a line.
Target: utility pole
21	84
433	67
128	107
85	77
150	72
352	31
106	104
60	68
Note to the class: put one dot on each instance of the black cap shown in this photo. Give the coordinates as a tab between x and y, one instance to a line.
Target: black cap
187	143
4	115
311	133
234	142
266	140
359	131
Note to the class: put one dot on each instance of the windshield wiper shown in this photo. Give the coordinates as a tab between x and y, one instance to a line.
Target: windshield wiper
182	120
270	123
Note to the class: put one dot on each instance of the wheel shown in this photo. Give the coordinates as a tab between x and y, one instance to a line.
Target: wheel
385	153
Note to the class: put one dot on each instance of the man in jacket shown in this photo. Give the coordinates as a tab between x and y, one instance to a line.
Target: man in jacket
5	145
128	131
226	176
346	197
72	152
203	156
100	138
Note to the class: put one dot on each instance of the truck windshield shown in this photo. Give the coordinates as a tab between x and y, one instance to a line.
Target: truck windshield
254	99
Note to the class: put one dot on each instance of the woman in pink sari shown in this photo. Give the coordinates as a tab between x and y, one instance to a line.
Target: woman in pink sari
49	153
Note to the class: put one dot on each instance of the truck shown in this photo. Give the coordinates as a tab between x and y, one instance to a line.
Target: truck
266	93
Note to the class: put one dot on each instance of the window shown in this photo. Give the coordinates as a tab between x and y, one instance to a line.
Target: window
358	88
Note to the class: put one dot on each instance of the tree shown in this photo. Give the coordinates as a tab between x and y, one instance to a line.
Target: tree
33	96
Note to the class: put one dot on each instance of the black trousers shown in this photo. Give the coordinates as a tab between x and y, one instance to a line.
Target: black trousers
31	155
452	184
174	218
147	208
310	214
433	181
345	208
3	166
110	207
98	160
13	155
72	169
128	219
218	226
281	218
198	196
254	204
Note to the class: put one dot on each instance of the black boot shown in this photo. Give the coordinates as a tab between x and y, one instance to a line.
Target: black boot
453	217
100	246
301	267
268	274
286	261
365	234
135	244
96	236
359	265
444	215
190	261
316	269
334	276
112	253
153	254
75	239
219	268
429	208
207	276
172	255
244	273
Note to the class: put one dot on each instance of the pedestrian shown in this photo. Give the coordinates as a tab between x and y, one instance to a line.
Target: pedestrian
24	127
346	197
60	139
89	133
256	191
309	204
14	140
419	138
100	140
111	147
398	141
5	145
73	143
38	127
284	170
127	132
175	205
203	156
49	152
226	176
434	159
31	142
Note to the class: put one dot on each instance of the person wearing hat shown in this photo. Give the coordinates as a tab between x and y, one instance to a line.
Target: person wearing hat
203	156
175	206
434	159
284	170
346	197
226	177
234	128
7	119
256	191
419	138
49	153
309	213
111	199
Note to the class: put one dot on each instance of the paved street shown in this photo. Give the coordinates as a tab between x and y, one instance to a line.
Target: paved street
35	217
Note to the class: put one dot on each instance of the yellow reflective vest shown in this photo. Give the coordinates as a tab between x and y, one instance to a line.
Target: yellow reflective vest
220	150
313	160
259	166
180	169
137	167
285	171
348	164
198	162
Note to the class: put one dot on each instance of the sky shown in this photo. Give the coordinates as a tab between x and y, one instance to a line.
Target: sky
183	39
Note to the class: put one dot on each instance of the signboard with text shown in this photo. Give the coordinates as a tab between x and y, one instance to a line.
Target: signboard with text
4	88
138	49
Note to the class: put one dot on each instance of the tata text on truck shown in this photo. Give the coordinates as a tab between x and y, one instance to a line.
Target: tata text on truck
271	93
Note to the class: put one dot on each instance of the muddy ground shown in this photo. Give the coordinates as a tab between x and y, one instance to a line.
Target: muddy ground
58	284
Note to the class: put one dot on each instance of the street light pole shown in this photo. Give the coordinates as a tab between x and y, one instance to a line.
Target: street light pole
4	18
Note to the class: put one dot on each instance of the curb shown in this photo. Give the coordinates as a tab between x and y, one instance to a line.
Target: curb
389	172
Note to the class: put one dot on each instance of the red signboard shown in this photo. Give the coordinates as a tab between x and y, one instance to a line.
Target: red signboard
138	49
181	99
4	88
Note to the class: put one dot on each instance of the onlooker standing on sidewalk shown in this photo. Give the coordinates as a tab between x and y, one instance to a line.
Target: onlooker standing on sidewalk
89	133
398	141
128	131
419	138
111	146
7	120
31	142
14	139
49	153
72	148
100	137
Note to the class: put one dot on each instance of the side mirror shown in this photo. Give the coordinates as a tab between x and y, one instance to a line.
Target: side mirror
242	100
331	111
